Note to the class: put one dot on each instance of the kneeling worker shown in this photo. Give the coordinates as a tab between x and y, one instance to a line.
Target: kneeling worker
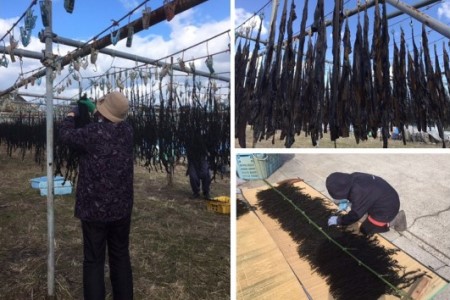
366	193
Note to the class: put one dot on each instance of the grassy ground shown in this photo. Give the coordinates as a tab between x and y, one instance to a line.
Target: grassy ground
302	141
179	250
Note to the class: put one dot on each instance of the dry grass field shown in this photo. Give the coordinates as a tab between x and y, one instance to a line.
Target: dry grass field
179	250
302	141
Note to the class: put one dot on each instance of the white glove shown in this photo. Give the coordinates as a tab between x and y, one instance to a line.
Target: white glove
332	221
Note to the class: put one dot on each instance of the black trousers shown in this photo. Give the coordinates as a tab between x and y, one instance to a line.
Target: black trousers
96	235
367	228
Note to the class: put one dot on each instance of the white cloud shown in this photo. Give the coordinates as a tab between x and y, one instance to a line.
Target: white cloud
444	10
251	21
129	5
5	25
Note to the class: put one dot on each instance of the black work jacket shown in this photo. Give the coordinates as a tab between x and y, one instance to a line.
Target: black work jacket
367	193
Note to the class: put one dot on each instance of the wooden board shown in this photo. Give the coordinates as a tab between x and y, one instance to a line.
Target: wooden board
261	267
313	283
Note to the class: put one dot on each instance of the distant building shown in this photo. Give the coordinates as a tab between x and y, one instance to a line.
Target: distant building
11	108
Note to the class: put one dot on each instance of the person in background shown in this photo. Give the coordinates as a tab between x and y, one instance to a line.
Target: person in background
365	194
104	194
198	167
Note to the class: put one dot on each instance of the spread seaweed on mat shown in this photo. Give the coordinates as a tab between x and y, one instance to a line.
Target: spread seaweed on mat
359	268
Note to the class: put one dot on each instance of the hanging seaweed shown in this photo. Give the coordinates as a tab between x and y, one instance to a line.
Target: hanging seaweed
446	63
66	159
443	101
144	121
399	91
315	125
353	265
344	97
165	140
245	84
286	90
307	86
289	91
216	132
297	92
160	132
377	57
241	105
333	110
417	86
385	92
368	80
261	109
274	96
24	133
357	99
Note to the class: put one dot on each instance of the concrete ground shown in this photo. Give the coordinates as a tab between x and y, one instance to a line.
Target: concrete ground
423	184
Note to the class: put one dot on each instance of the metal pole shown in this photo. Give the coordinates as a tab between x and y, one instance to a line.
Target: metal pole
421	17
112	52
22	53
416	6
141	59
158	15
49	149
349	13
25	94
354	11
171	168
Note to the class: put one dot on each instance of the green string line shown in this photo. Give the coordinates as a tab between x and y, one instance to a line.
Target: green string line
397	290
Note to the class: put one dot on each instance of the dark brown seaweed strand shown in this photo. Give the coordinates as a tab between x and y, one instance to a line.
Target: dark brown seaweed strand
242	208
347	278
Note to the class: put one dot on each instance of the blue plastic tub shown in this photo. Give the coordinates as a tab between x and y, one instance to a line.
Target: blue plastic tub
60	190
41	182
257	166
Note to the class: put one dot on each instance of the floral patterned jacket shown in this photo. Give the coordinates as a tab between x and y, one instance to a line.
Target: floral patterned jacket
105	181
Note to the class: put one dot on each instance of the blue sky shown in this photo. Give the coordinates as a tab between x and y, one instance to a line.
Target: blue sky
89	18
439	11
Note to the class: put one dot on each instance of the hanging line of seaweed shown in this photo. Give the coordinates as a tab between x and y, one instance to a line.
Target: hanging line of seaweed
359	94
162	132
66	157
25	133
344	249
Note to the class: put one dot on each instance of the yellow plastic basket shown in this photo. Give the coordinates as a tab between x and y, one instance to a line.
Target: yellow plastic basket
225	199
219	205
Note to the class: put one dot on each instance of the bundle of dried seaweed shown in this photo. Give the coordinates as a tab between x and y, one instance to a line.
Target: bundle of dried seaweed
242	208
354	266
